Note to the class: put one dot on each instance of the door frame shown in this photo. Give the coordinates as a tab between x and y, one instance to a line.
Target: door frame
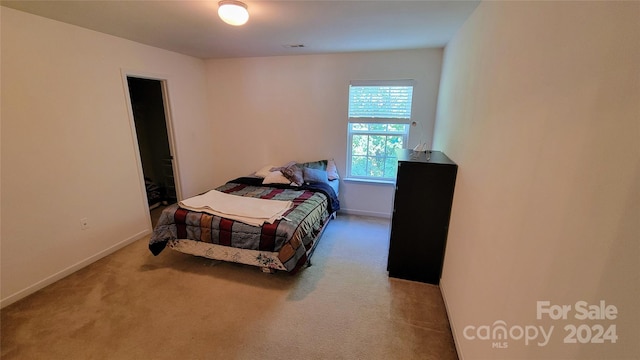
170	131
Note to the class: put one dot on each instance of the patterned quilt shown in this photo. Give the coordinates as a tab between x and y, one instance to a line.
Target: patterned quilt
291	238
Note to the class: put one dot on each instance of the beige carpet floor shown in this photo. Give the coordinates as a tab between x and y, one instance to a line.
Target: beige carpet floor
132	305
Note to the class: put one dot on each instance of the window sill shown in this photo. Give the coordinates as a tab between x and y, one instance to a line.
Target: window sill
370	181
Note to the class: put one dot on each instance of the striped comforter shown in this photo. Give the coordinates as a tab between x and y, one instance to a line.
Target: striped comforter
291	238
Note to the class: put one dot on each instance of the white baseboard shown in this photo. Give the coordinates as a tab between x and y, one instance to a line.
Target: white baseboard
451	322
70	270
364	213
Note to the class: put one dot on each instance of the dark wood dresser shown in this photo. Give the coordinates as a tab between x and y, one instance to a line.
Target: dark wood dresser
421	212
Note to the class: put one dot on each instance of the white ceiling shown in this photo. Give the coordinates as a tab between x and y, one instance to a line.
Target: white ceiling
193	27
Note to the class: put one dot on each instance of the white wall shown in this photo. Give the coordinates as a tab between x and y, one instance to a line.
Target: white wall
274	110
68	148
540	107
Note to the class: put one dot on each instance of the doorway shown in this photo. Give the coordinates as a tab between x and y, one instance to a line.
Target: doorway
151	128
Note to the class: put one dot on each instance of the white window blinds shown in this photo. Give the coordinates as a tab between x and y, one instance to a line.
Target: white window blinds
381	101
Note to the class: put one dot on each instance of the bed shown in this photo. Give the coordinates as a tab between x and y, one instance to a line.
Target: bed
285	244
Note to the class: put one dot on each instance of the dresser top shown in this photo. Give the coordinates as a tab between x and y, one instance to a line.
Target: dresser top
430	156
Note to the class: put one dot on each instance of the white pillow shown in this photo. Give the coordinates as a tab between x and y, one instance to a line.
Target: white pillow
264	171
275	177
332	170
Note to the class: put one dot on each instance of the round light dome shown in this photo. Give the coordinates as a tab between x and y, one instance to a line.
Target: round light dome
233	12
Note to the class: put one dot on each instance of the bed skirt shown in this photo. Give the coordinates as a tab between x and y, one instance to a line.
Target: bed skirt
263	259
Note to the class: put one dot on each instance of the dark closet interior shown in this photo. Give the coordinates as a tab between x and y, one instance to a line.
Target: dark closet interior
147	101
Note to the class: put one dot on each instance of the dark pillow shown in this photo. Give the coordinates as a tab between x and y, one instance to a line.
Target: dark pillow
320	164
314	175
293	173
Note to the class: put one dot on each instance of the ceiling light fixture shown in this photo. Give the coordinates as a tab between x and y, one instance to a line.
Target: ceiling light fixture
233	12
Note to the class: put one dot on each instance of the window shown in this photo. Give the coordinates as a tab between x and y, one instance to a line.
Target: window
379	117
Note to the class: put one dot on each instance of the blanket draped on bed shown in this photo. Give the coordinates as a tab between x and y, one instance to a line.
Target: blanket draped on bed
249	210
291	239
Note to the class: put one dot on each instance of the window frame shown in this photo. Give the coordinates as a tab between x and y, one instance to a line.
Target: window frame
406	121
350	134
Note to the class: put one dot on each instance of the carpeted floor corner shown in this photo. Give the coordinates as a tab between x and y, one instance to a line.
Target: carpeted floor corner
132	305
